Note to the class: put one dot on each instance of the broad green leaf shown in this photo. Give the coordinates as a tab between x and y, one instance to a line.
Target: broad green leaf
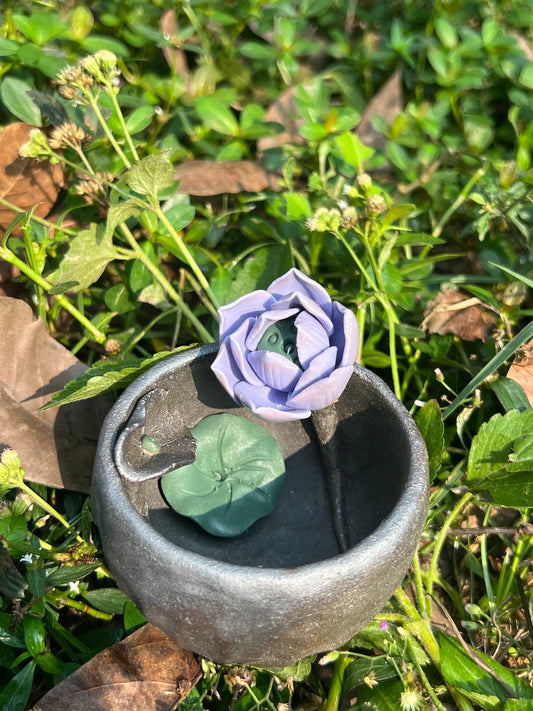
139	275
519	705
391	279
89	253
118	298
297	672
217	116
105	376
15	531
395	213
235	479
259	270
384	697
34	633
298	207
151	175
15	694
120	213
429	422
496	462
257	50
379	667
140	119
70	573
12	584
511	394
107	599
14	95
8	47
40	26
132	617
526	75
445	31
352	150
462	671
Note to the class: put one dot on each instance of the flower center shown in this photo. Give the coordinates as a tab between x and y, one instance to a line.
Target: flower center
281	338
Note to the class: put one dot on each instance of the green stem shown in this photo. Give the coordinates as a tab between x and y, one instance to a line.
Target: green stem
39	220
112	95
432	573
167	286
335	690
423	602
10	257
356	259
458	201
188	258
94	105
49	509
86	609
422	675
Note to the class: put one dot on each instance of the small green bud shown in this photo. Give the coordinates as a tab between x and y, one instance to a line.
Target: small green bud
36	147
11	471
102	66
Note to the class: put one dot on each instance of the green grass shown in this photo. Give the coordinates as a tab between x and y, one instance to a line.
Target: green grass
436	195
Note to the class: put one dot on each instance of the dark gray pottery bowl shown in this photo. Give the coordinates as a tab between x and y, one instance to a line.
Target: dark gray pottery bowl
282	590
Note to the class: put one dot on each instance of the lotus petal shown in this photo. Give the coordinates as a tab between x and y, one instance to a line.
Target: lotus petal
268	404
319	369
322	393
296	281
304	303
275	370
311	339
237	349
345	333
226	369
250	305
265	321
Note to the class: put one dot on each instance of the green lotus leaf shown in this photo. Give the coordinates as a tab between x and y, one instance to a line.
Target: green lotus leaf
235	480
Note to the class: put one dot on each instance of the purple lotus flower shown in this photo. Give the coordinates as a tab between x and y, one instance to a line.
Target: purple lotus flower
288	350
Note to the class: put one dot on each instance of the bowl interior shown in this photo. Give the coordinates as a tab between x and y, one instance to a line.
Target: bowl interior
375	458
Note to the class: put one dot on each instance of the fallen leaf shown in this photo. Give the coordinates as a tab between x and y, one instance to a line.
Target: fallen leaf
521	369
176	58
25	182
57	446
459	314
209	177
145	672
285	112
387	103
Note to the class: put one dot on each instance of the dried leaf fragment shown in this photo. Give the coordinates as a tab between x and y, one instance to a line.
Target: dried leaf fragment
387	103
175	56
459	314
25	182
57	446
145	672
521	369
209	177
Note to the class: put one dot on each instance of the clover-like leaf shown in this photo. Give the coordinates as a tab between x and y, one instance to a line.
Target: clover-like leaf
235	480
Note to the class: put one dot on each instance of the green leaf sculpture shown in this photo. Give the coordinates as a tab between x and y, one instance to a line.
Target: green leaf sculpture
235	480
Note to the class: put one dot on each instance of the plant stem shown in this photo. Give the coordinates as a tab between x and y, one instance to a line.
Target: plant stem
49	509
39	220
188	258
94	105
459	200
335	690
10	257
87	609
167	286
112	95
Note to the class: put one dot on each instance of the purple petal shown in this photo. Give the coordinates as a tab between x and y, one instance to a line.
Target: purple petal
232	315
238	350
303	303
322	393
226	369
345	333
275	370
318	369
311	339
265	321
268	404
295	280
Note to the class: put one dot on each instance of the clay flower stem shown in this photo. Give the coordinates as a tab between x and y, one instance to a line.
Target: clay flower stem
8	255
325	423
167	286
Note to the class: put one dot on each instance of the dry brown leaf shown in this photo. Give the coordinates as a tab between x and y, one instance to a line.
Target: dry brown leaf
521	369
176	58
145	672
25	182
388	103
57	446
285	112
459	314
210	177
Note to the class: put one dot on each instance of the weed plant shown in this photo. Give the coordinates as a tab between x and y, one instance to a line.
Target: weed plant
439	197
